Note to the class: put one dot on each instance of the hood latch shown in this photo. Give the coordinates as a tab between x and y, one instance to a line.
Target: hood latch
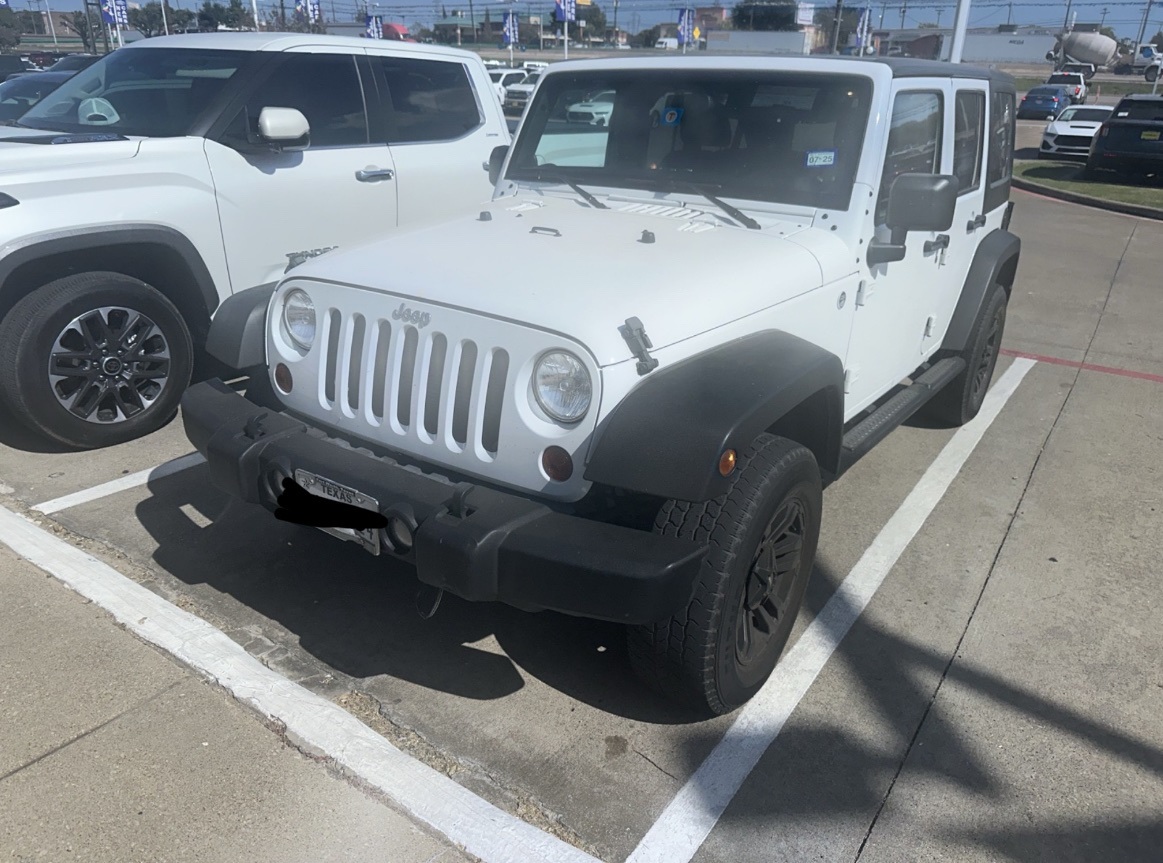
639	343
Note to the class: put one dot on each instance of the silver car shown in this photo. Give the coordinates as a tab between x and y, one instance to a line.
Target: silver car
1070	133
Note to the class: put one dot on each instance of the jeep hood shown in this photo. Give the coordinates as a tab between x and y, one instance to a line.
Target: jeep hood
35	149
560	265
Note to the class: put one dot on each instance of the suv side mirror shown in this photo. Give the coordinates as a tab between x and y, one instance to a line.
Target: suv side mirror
284	129
916	202
496	162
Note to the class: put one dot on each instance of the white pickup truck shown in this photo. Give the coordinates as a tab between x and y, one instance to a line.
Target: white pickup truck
178	171
774	246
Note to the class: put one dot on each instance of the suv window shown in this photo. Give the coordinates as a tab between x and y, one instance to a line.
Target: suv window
1001	142
427	100
914	141
325	87
1139	109
1073	78
968	136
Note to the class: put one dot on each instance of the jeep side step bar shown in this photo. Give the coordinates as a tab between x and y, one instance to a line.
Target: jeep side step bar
874	428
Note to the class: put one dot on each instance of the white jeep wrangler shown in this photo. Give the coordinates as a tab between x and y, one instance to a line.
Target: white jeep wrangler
710	306
177	171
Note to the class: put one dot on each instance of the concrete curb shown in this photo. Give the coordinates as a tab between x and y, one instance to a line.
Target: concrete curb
1088	201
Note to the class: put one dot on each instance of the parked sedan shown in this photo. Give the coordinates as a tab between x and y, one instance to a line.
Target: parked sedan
594	109
1070	133
1131	140
20	94
1043	103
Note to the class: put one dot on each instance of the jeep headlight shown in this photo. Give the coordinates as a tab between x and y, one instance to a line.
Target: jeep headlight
562	386
299	318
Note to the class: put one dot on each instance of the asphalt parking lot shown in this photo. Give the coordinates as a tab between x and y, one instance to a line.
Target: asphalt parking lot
997	696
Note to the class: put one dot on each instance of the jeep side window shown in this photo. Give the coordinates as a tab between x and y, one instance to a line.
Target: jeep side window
914	141
427	100
325	87
1001	144
968	137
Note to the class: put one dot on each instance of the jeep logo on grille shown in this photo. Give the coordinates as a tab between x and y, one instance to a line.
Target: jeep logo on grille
412	316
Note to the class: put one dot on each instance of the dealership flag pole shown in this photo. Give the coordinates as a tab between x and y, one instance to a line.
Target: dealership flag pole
960	25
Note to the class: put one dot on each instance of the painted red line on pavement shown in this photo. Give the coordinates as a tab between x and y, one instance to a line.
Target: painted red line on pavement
1107	370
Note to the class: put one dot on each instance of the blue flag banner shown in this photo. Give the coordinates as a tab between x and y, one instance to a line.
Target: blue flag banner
374	26
686	26
121	12
511	30
314	11
3	4
107	13
565	10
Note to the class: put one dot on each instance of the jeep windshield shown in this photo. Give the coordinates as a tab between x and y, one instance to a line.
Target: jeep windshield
782	137
151	92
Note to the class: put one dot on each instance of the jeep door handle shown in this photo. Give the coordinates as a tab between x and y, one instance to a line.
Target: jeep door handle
976	222
942	242
373	175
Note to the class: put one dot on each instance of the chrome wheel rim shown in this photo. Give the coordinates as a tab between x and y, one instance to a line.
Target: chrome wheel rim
764	607
109	365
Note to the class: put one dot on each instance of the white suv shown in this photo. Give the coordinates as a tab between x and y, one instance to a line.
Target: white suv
644	440
178	171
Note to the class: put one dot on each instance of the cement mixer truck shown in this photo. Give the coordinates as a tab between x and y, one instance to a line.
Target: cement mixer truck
1082	52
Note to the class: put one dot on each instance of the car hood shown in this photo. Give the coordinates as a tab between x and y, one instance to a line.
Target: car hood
1059	127
24	149
560	265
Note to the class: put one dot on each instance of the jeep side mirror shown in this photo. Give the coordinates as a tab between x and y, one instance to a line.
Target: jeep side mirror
916	202
496	161
284	129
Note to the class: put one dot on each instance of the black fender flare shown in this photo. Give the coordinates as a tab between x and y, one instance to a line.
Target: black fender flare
667	436
35	248
238	332
995	261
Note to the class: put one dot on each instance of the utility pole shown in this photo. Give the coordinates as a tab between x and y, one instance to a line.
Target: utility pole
282	15
1143	27
880	26
615	23
836	26
472	20
1102	20
1066	22
904	8
960	25
1010	14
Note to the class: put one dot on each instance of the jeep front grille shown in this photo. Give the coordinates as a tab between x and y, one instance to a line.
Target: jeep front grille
421	384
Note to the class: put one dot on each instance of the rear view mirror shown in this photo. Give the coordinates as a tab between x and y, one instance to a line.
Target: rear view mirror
284	129
496	162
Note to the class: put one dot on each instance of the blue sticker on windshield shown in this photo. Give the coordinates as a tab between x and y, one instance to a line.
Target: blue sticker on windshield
671	117
820	158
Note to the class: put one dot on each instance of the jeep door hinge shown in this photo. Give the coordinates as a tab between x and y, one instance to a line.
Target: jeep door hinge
639	343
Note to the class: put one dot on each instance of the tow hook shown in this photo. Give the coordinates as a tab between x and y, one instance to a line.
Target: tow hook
428	600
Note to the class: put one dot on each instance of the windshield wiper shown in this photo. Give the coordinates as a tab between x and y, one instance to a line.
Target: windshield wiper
734	212
561	178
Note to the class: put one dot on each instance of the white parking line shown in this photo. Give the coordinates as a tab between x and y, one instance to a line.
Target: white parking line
688	820
122	483
311	721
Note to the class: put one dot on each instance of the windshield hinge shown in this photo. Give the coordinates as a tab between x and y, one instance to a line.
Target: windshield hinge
639	343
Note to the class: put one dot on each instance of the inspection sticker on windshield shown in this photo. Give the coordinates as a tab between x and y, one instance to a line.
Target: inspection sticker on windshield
819	158
671	117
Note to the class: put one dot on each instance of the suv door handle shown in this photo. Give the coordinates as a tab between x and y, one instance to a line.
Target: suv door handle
942	242
372	175
976	222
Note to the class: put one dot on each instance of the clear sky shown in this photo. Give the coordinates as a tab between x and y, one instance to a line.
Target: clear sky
1125	16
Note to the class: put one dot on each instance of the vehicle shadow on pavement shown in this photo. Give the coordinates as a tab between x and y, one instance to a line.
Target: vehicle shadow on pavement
15	436
846	771
356	614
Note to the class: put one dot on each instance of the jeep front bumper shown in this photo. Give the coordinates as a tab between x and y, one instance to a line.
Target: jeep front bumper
476	542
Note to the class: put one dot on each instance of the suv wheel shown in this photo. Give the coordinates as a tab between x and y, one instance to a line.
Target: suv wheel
961	398
716	653
94	359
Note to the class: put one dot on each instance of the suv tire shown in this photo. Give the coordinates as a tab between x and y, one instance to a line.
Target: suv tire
121	354
714	655
960	400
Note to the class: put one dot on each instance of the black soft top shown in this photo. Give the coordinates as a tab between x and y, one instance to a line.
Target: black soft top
909	67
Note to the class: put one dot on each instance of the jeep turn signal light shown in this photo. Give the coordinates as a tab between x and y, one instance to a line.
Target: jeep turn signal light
283	378
727	462
557	464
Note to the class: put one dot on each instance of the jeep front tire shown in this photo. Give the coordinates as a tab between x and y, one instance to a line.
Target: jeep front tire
717	652
94	359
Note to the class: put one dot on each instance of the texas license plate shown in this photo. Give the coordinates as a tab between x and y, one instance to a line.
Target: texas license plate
1149	136
319	486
